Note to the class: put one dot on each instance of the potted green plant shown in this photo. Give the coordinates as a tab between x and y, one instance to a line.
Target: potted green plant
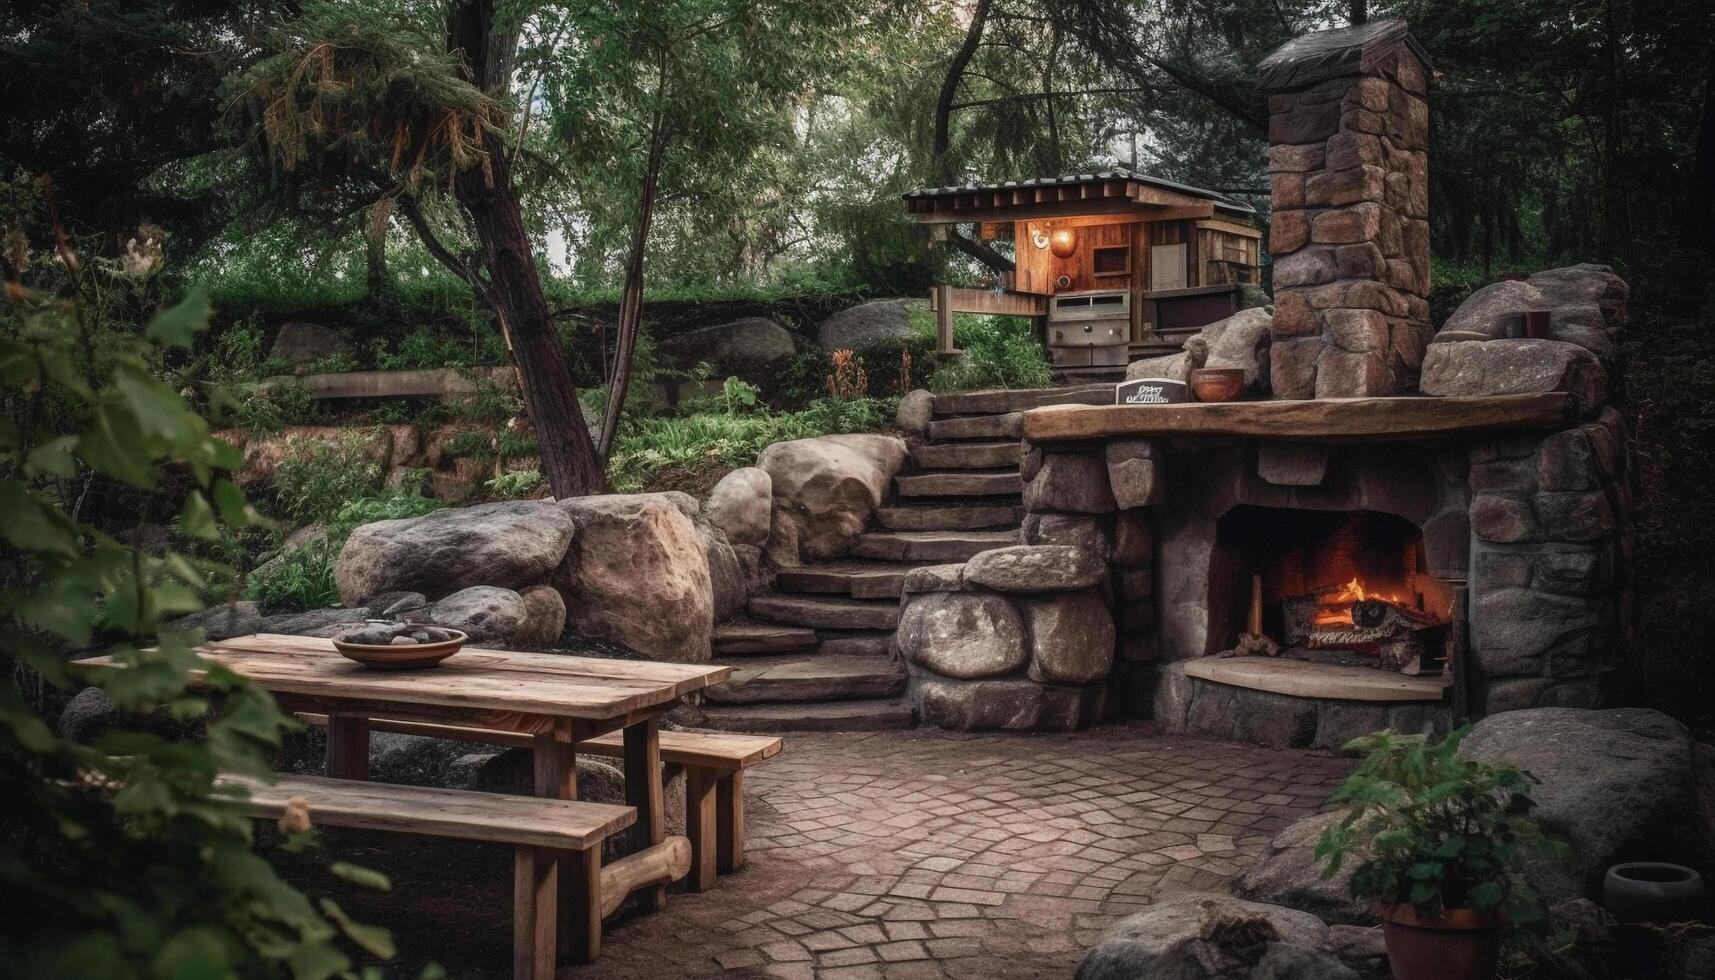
1440	841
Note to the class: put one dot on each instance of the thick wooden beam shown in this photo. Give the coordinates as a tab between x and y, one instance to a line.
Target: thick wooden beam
535	913
1230	227
653	867
963	300
700	826
1320	419
395	384
643	791
348	747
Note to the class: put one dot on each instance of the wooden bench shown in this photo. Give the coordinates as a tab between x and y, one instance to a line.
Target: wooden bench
557	845
714	780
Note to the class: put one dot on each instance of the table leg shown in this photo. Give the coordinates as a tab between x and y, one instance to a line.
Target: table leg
556	765
348	747
643	791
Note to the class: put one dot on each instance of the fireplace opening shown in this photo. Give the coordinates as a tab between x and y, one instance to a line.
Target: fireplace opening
1345	587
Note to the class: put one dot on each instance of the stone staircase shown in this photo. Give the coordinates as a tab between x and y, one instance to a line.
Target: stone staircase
815	655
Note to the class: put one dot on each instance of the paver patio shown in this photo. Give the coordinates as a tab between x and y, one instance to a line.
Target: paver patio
913	854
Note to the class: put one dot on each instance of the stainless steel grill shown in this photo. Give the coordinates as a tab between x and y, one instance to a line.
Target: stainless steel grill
1089	329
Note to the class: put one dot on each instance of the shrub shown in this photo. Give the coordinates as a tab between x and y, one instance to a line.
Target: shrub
123	858
513	485
423	348
486	401
999	352
847	380
1436	831
270	408
301	578
317	479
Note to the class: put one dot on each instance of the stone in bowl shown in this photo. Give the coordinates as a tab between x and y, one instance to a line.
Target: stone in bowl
383	645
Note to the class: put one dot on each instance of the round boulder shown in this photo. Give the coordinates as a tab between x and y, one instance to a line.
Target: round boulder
1626	784
1288	873
916	411
877	321
637	574
488	614
508	544
826	488
742	505
1071	637
544	618
1036	568
1132	946
747	348
961	634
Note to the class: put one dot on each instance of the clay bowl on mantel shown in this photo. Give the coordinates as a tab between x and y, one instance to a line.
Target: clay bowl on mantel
440	643
1217	384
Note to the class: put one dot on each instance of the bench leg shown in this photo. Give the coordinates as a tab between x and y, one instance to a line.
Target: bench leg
643	791
556	765
701	825
729	822
535	917
580	904
348	747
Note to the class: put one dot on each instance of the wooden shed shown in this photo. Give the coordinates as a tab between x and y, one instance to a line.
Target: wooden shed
1151	258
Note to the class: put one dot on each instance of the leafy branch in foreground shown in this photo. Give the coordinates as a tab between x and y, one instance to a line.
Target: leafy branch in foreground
125	858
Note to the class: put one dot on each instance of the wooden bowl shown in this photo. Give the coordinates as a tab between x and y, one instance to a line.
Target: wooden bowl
402	656
1217	384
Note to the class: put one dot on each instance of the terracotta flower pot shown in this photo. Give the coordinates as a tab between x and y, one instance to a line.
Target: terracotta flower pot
1217	384
1457	944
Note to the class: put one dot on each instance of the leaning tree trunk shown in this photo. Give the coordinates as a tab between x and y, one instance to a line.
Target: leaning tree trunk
568	455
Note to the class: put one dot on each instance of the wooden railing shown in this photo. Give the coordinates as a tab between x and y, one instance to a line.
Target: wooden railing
948	300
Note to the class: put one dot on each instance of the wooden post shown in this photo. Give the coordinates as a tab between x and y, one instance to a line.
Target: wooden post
944	321
535	918
729	823
348	747
1253	625
643	791
556	765
701	825
580	906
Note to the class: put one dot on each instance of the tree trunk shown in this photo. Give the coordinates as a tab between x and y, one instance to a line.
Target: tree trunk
567	452
631	302
940	166
1358	12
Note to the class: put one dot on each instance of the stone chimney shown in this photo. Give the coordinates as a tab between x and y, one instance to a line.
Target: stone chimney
1348	159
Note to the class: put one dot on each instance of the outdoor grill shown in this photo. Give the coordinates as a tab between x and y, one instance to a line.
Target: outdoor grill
1089	329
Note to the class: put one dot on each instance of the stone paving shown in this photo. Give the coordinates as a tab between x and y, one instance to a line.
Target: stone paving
921	854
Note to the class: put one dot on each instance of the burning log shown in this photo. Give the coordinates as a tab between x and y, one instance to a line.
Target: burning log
1348	617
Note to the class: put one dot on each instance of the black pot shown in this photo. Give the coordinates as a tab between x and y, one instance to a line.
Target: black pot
1652	891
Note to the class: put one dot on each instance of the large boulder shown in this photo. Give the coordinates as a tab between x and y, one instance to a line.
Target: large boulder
1625	784
962	634
1514	367
1173	367
1586	306
489	615
748	348
1036	568
1006	703
916	411
637	574
877	321
222	622
742	505
728	581
301	344
1288	873
544	618
826	488
1144	945
509	544
1070	483
1071	638
1239	341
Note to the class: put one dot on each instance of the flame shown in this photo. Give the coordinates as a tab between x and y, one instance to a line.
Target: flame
1337	606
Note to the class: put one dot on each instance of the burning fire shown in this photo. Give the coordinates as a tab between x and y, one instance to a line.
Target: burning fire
1336	606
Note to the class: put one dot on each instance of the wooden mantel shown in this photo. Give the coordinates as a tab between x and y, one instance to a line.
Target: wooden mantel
1320	419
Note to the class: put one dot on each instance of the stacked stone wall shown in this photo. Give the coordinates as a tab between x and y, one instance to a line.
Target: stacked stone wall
1349	172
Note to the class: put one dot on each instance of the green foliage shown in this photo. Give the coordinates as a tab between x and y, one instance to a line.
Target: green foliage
1436	831
270	408
486	401
692	451
514	484
316	479
302	578
999	352
124	858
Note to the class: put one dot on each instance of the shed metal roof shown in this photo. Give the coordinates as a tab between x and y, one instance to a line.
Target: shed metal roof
1220	200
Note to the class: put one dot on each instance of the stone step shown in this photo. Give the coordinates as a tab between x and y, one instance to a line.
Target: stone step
858	579
742	638
949	517
1001	400
927	546
965	455
812	716
960	483
1008	426
864	643
826	612
826	677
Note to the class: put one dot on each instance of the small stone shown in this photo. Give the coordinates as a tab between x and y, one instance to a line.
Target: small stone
1036	568
916	410
399	641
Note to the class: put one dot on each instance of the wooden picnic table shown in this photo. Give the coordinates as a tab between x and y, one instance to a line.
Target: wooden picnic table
557	700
